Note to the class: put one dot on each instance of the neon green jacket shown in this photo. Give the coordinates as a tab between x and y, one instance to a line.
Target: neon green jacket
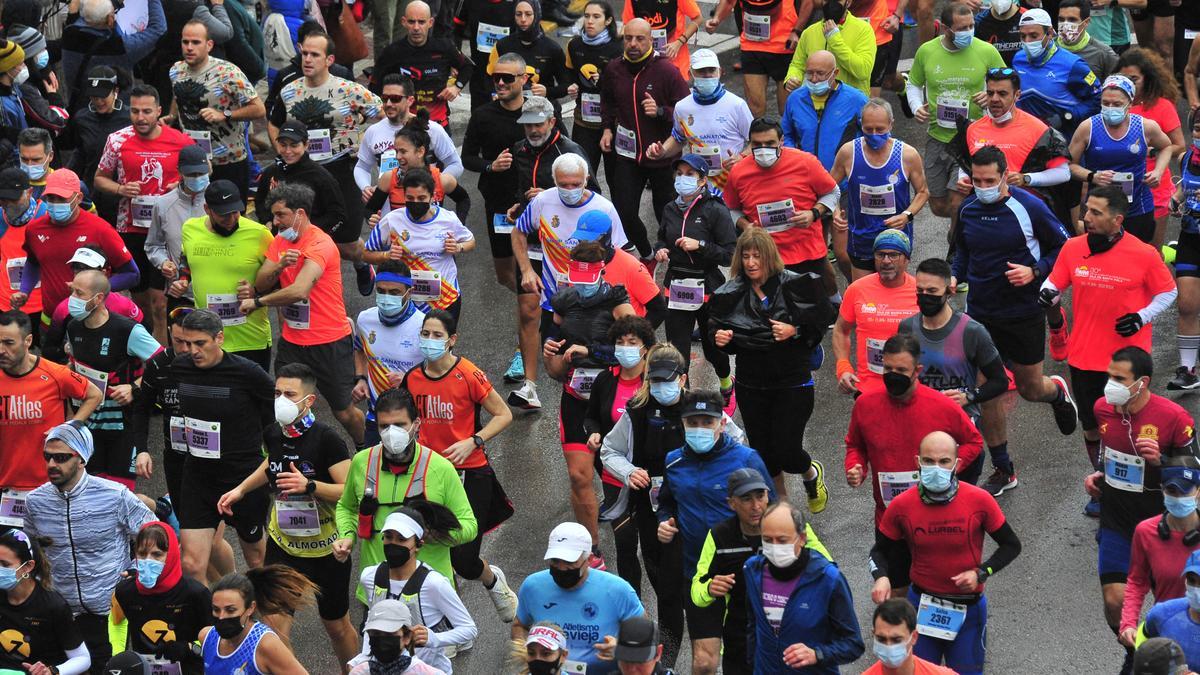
853	45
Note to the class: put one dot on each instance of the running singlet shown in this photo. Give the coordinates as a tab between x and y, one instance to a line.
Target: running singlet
951	79
876	194
33	404
423	249
217	263
321	319
716	131
449	406
1109	285
110	355
39	629
1125	157
388	349
1190	182
875	311
302	525
153	163
241	661
771	196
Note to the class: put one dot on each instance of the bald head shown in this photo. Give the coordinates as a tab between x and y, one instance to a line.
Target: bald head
637	40
418	19
938	445
821	67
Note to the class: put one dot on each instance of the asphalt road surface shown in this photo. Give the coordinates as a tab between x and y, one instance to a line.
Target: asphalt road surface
1046	610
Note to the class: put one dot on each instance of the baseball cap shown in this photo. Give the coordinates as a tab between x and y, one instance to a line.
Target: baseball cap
1036	17
1159	656
293	130
223	198
76	437
90	258
705	58
62	183
1193	564
547	636
893	240
745	480
1181	477
569	542
637	640
403	524
663	369
193	160
127	663
13	183
389	616
100	82
592	225
695	161
579	272
535	110
1124	84
703	402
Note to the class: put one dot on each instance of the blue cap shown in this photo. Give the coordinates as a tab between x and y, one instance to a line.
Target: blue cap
695	161
592	225
1183	478
1193	563
893	240
76	437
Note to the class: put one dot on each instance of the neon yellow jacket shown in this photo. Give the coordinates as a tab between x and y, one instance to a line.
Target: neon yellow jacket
699	589
853	45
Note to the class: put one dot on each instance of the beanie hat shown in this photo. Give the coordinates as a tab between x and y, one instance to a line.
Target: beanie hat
29	39
11	55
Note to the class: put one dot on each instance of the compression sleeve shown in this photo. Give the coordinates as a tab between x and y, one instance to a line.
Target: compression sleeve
1157	304
1009	547
462	202
915	95
31	274
1054	176
830	199
363	167
123	278
78	661
885	553
656	311
995	381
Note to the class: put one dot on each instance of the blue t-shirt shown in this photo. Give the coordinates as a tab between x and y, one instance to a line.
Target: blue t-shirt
586	614
1170	619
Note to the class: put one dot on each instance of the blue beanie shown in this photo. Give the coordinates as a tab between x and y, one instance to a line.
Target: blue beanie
893	240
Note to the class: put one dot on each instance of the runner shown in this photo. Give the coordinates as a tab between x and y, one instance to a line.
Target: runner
1074	17
588	55
895	631
999	26
409	151
171	211
850	40
1060	87
87	257
482	23
235	639
390	629
545	649
1176	619
825	113
1186	202
18	208
544	56
441	69
672	25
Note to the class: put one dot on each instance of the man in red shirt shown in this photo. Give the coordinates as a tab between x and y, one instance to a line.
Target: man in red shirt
894	628
51	240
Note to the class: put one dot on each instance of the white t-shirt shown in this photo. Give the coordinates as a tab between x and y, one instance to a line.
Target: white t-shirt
387	348
424	249
376	156
724	124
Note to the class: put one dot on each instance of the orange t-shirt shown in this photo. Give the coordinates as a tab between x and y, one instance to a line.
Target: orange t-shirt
655	12
12	258
758	192
448	407
920	667
33	404
322	318
1016	139
768	30
876	15
626	270
1108	286
876	311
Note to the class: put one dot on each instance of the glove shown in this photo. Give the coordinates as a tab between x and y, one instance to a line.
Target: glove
174	651
1048	297
1129	325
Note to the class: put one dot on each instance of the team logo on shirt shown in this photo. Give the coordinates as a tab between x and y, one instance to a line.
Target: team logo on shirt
1148	431
1082	271
691	120
554	221
14	642
371	337
404	235
1135	148
868	308
590	71
158	631
590	610
152	169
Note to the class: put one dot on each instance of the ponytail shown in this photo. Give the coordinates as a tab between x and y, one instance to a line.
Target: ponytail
276	589
437	520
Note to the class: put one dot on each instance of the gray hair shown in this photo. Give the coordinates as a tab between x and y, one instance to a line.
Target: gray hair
203	320
295	196
799	517
515	59
31	136
877	102
570	164
95	12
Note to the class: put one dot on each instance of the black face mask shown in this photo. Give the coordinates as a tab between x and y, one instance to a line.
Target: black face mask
396	554
417	209
566	578
833	11
544	667
1098	243
384	648
221	231
897	385
228	627
930	305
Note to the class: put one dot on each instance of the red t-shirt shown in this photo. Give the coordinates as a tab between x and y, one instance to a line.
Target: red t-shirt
12	258
448	407
920	667
876	311
1107	286
1155	566
626	270
944	539
759	193
322	318
1163	112
53	245
33	404
153	163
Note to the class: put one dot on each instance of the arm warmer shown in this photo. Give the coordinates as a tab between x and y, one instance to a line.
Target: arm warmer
995	381
1009	547
1157	304
915	95
830	199
124	277
1056	176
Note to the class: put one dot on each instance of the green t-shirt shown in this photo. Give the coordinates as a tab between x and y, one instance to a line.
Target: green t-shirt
950	80
1110	25
217	264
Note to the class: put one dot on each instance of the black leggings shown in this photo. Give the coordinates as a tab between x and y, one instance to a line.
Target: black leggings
479	485
775	421
679	333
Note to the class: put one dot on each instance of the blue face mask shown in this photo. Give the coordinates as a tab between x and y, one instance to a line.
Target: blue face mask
818	88
628	355
1034	50
892	656
665	393
77	307
988	195
196	184
570	197
1180	507
877	141
963	38
42	60
936	478
59	213
34	171
587	290
148	571
391	305
686	185
8	578
705	86
1193	598
433	348
1113	116
700	439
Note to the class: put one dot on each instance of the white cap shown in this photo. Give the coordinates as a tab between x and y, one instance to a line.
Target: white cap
389	616
402	523
568	541
547	636
1036	17
705	58
89	258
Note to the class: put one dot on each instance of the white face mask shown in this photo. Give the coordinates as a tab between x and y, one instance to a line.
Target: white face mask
1116	393
766	157
780	555
286	411
396	440
1001	7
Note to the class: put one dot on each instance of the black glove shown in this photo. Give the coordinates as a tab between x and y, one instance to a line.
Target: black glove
1048	297
1129	325
174	651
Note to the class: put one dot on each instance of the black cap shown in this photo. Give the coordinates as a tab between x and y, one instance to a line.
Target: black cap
193	160
13	183
127	663
293	130
100	82
1159	656
223	198
703	402
746	480
663	369
637	640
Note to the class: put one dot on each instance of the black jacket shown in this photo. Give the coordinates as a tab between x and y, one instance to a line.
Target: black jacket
491	130
709	221
329	211
533	165
546	57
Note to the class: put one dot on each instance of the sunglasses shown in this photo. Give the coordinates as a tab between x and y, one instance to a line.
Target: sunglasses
1000	71
504	78
394	99
58	457
176	315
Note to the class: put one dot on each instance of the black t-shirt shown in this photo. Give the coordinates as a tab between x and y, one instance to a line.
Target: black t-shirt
39	629
174	616
314	451
491	130
233	401
1003	34
159	392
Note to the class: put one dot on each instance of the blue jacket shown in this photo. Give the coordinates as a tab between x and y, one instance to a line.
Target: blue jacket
1061	84
12	122
694	491
822	134
819	613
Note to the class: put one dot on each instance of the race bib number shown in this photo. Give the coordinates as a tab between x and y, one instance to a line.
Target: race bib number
488	35
877	200
163	667
1124	180
940	618
582	380
893	483
949	109
1124	472
626	142
388	161
574	667
203	438
320	145
15	267
202	139
1187	34
12	508
712	155
178	431
658	37
227	306
756	27
686	294
656	483
297	516
142	211
774	216
501	224
427	285
98	378
297	315
589	108
875	355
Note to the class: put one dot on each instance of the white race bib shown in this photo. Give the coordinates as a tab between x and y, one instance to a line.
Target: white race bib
142	211
97	377
774	216
15	267
1123	471
658	37
1124	180
582	380
756	27
202	139
296	315
626	142
589	108
178	431
875	355
12	508
388	161
320	145
427	285
227	306
893	483
712	155
203	438
950	108
163	667
487	35
686	294
877	200
573	667
1187	34
297	516
940	618
501	224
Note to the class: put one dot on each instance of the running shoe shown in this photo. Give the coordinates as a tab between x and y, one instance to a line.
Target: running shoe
525	398
516	369
1092	508
1169	251
1058	341
818	494
365	276
596	561
1185	380
1066	415
503	597
730	399
1000	482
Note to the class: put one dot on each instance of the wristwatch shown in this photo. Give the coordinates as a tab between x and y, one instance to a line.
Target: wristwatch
983	574
816	214
908	214
701	243
311	487
228	114
478	440
258	303
360	377
1025	180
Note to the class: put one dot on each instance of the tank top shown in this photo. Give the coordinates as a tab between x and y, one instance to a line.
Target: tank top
1125	156
396	189
1190	182
876	194
241	661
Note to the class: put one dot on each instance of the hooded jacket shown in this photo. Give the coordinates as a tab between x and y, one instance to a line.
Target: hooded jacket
625	85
